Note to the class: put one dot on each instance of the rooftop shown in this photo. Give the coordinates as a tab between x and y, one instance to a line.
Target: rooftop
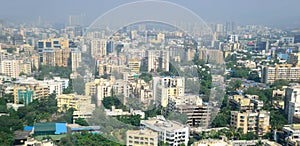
162	123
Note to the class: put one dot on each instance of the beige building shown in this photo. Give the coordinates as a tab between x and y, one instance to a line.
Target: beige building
39	91
143	137
67	101
25	68
167	87
56	57
248	121
280	71
99	87
134	65
215	56
98	48
53	43
75	59
10	68
158	59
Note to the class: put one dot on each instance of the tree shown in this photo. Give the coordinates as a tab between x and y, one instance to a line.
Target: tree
132	119
81	122
110	101
240	72
279	83
146	77
85	138
6	139
254	76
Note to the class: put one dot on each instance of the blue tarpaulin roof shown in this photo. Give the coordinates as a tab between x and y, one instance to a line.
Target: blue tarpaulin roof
28	128
61	128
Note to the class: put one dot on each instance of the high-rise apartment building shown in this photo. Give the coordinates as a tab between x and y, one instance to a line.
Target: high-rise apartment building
75	59
280	71
167	87
158	59
292	102
134	65
98	48
10	68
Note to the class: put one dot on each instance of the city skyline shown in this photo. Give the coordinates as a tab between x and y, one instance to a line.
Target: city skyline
271	13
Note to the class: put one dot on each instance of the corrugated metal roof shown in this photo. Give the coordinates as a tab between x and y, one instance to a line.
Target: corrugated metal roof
49	126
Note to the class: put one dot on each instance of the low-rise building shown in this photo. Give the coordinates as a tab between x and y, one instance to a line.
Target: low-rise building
170	132
292	134
67	101
143	137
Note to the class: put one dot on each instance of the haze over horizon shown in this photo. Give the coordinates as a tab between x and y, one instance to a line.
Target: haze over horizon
268	12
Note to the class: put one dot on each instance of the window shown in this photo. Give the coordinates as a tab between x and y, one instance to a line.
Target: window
48	44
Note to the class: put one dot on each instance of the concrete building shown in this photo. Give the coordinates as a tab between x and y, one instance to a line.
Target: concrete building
113	112
143	137
85	111
25	68
280	71
198	113
134	65
53	43
233	38
10	68
292	134
54	87
158	59
98	48
257	122
55	56
75	59
292	102
247	102
39	90
167	87
210	55
67	101
171	132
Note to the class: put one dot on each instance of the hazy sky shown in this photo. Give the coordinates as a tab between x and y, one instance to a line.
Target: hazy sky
270	12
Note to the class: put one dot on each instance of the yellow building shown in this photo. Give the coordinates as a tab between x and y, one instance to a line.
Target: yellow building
241	102
67	101
25	68
160	37
142	137
134	65
248	121
39	91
